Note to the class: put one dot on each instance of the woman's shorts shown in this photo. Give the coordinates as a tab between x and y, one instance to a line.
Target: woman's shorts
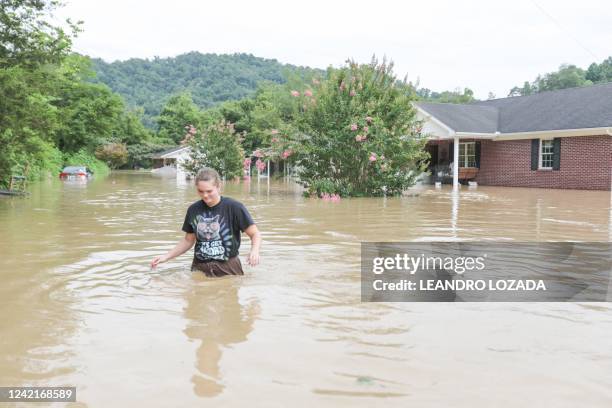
219	268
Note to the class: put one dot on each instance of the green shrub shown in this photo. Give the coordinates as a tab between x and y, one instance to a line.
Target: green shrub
113	154
84	158
219	147
356	133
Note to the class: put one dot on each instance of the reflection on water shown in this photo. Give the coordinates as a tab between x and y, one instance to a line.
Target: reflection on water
211	304
79	305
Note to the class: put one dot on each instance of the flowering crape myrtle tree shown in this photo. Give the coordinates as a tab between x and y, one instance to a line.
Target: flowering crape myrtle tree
218	146
357	134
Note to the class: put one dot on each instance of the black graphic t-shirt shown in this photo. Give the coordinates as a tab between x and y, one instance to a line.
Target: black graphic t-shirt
217	228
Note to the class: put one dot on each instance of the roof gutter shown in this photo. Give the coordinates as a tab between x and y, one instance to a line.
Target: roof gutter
555	133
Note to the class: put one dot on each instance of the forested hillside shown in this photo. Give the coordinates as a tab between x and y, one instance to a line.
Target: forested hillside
210	78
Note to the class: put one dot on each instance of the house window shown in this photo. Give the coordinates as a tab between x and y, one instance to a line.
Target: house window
546	154
467	154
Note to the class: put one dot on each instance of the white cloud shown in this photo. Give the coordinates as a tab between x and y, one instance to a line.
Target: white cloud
483	45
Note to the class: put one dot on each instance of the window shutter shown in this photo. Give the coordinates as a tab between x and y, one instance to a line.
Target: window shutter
556	153
535	153
451	152
477	148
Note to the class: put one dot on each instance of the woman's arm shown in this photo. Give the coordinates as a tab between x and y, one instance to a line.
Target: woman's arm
255	235
183	246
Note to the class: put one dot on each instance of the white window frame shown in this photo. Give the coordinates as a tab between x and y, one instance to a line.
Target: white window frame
541	154
464	146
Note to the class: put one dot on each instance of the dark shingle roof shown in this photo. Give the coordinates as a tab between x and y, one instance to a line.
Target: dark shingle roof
573	108
464	118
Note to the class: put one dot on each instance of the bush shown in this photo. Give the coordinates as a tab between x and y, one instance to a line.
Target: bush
319	187
113	154
49	163
218	146
46	160
84	158
357	133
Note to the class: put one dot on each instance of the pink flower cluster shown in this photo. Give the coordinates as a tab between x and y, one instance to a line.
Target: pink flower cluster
308	92
374	157
334	198
287	153
360	138
354	126
295	94
352	93
274	131
261	166
258	153
368	119
246	163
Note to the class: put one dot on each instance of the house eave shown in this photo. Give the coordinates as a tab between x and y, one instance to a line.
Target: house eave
172	155
429	116
598	131
540	134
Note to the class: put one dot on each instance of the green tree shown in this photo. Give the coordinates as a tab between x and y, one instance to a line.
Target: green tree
568	76
130	129
356	133
218	146
27	36
28	120
113	154
30	49
526	89
90	114
178	113
597	73
457	96
49	111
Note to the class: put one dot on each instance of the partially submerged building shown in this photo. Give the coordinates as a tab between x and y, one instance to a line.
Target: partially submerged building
555	139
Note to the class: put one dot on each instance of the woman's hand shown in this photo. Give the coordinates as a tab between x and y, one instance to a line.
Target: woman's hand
255	235
253	258
158	260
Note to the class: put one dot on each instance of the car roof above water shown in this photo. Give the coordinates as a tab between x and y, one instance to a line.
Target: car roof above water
74	169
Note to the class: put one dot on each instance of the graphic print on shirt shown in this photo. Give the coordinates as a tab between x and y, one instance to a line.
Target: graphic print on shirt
214	240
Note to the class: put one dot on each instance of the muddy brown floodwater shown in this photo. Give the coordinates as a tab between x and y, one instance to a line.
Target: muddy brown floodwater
80	307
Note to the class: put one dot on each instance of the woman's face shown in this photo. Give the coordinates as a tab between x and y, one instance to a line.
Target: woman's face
208	192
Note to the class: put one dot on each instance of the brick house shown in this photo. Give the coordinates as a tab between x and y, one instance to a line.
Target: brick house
556	139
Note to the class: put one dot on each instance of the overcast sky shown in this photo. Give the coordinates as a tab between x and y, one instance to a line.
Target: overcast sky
488	46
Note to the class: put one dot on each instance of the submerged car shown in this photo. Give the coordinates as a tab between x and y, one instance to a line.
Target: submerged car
75	172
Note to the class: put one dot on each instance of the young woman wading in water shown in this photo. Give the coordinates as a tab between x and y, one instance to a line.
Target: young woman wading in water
214	225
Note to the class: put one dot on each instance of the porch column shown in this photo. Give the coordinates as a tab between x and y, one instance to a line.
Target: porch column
456	164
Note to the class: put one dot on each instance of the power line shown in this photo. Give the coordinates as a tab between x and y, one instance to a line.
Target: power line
567	32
